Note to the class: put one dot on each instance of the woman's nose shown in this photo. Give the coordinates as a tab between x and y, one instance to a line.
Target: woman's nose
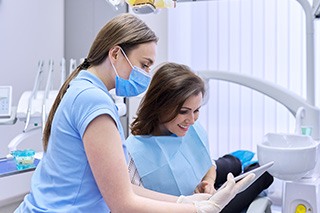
191	118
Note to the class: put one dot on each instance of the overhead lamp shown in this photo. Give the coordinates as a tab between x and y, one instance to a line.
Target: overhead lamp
144	6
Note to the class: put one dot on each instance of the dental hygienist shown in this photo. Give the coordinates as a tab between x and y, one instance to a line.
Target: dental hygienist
84	168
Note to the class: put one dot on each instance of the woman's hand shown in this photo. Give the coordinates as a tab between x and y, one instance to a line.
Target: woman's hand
207	183
205	187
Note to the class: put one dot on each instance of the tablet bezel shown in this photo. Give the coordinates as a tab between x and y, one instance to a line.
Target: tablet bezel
257	171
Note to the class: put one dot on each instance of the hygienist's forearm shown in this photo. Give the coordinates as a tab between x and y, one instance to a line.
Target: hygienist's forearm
153	195
146	205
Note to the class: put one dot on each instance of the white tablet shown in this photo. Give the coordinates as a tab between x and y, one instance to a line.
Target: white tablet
257	171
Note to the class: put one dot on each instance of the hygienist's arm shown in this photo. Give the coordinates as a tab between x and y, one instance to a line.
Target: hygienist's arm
103	148
153	195
140	190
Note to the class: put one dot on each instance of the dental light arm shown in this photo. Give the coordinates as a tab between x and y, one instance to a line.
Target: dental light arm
33	94
63	71
310	16
46	94
290	100
72	65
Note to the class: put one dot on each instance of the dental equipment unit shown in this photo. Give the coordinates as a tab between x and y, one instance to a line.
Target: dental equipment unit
309	186
34	106
7	112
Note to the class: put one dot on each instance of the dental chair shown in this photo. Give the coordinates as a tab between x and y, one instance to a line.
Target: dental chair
261	204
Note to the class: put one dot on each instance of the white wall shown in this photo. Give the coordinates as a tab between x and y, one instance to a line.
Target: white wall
33	30
261	38
159	24
29	31
83	20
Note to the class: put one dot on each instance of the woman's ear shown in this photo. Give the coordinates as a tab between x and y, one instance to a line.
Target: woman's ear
114	53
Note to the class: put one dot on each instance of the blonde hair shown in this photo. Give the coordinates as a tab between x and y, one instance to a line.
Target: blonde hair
125	30
171	85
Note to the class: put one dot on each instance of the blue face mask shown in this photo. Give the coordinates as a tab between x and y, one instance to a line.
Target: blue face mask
137	83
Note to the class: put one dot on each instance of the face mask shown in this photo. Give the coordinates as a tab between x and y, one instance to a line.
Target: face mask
137	83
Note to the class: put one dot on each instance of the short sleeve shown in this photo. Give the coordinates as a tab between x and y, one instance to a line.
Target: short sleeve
84	111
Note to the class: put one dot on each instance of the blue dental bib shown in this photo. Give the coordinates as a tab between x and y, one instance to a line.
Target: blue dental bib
170	164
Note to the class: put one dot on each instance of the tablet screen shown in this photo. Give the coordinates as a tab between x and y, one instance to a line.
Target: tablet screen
257	171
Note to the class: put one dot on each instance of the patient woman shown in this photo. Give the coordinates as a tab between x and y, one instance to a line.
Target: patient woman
168	149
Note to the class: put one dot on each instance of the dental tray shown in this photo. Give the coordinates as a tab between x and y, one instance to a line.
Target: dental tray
8	167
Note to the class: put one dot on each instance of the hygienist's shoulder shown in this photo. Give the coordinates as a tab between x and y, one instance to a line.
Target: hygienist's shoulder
94	95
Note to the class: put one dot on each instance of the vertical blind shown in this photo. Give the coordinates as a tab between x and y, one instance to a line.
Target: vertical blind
261	38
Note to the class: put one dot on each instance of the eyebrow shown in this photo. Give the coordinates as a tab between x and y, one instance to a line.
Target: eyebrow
190	108
150	60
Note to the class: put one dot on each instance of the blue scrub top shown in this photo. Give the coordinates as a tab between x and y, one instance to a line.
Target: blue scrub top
63	180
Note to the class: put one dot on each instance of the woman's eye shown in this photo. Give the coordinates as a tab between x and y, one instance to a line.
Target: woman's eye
145	67
183	112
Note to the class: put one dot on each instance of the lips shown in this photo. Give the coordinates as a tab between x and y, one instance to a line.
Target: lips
184	127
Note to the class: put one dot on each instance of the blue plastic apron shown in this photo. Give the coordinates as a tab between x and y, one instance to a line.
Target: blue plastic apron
170	164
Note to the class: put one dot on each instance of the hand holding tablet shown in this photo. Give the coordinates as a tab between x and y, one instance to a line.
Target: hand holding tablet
257	171
229	189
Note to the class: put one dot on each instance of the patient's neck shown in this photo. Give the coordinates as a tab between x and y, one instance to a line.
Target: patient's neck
161	131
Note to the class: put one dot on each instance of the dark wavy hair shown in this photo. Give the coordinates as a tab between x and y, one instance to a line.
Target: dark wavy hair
171	85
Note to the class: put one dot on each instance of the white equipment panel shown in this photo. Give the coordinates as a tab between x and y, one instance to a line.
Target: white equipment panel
5	101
